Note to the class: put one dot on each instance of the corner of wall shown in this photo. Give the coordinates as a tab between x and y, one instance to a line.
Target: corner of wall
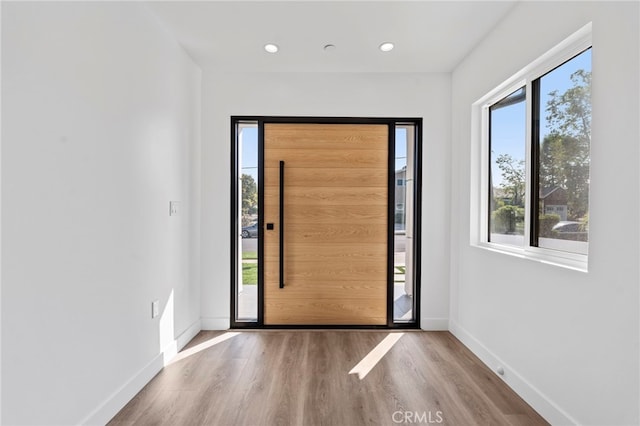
434	324
216	323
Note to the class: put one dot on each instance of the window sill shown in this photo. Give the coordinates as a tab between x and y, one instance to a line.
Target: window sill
575	262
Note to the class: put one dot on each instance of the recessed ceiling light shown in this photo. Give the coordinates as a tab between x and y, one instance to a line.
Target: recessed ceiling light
271	48
329	47
386	46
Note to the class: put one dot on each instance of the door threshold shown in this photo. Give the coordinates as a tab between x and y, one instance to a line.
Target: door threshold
322	327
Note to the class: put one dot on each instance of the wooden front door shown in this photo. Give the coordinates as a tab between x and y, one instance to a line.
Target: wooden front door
330	181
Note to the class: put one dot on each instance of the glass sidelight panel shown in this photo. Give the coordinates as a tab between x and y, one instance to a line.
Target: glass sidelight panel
404	294
247	235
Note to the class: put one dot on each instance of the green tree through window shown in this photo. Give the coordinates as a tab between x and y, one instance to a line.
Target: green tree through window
249	196
564	153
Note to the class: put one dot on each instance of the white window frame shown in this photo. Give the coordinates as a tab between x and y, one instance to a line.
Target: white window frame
567	49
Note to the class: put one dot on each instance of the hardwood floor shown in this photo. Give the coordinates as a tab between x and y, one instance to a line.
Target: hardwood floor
301	377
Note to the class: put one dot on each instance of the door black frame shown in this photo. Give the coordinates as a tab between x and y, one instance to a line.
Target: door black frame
417	212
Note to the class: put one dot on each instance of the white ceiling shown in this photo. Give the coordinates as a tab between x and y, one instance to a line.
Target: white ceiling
430	36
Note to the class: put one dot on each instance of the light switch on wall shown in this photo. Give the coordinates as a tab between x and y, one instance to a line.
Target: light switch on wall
173	208
155	308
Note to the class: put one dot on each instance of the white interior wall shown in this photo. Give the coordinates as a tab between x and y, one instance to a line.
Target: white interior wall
324	94
568	340
100	131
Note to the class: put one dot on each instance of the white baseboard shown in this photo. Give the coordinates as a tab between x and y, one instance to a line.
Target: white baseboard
434	324
216	323
172	349
540	402
120	398
189	334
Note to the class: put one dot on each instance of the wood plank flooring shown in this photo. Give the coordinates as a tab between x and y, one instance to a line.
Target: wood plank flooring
301	377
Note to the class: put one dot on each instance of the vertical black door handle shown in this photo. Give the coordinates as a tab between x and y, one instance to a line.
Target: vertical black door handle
281	228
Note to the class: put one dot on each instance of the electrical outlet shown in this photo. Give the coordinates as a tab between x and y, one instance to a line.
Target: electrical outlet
155	308
173	208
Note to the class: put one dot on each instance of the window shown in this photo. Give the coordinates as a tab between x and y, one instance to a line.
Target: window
247	237
560	142
406	257
507	147
534	137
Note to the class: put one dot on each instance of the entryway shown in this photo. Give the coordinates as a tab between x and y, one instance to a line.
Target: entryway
324	222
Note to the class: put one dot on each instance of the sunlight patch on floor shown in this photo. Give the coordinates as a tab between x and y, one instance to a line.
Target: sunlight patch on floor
204	345
368	362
